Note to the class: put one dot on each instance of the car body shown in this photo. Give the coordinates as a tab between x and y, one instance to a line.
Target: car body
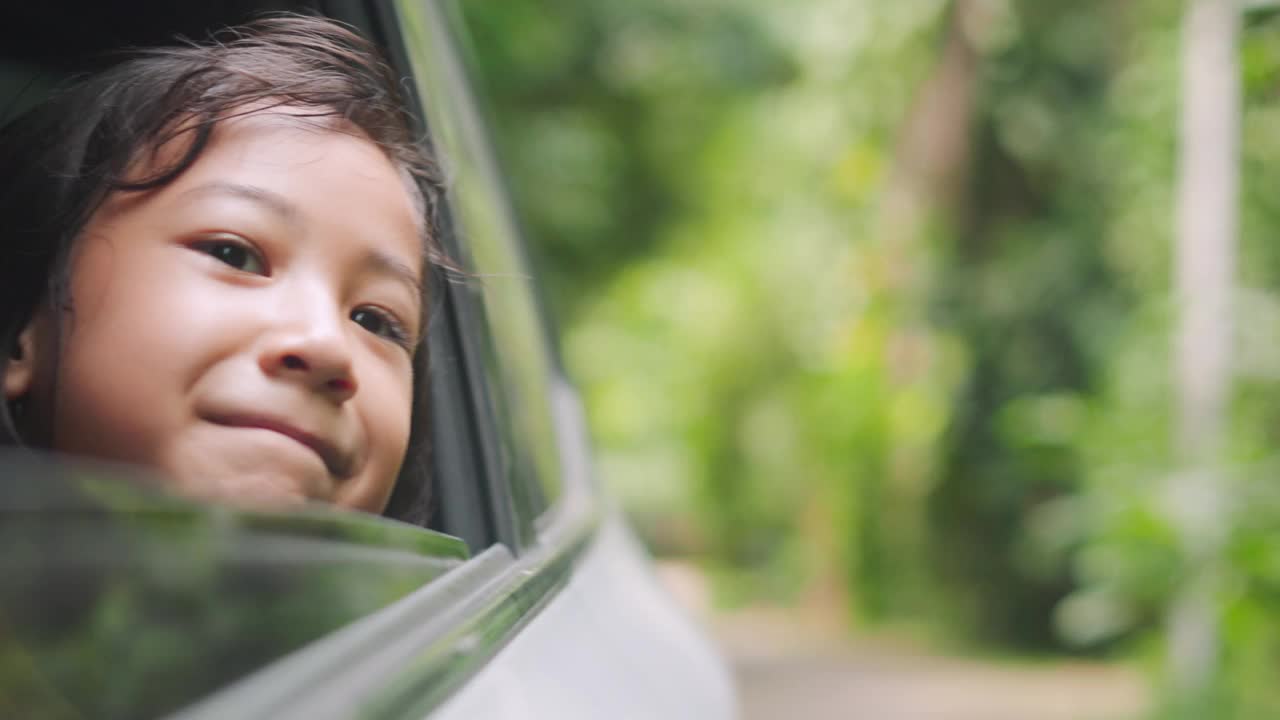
528	597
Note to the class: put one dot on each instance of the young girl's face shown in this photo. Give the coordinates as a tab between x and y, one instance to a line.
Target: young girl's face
248	329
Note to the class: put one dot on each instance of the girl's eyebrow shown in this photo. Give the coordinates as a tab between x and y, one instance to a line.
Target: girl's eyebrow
382	263
273	201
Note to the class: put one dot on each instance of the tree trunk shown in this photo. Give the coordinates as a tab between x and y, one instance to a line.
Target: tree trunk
930	162
1208	179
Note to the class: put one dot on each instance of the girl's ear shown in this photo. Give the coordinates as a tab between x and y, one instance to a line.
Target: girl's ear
19	372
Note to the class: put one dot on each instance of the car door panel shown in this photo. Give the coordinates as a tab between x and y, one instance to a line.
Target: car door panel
609	645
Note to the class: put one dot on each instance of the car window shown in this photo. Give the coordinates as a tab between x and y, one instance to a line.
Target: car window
198	602
517	355
118	602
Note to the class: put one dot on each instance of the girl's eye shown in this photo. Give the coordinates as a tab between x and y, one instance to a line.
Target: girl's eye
234	253
380	323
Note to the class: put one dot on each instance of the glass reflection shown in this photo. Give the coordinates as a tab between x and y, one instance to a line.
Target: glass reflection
118	602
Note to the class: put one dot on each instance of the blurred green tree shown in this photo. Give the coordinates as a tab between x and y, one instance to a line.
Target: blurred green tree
872	300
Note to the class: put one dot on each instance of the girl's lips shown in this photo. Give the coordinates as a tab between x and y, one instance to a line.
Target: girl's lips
335	460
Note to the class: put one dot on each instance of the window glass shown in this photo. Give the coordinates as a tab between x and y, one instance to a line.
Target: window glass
518	357
121	603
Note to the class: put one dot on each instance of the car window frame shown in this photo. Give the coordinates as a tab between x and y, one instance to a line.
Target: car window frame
513	413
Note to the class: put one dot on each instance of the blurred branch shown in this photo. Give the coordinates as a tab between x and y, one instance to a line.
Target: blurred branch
933	150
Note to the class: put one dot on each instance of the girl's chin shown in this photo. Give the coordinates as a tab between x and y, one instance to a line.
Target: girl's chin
256	469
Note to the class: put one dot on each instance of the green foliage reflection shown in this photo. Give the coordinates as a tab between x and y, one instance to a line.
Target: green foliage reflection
119	603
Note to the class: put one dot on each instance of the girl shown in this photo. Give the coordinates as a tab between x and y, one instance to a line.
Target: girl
214	262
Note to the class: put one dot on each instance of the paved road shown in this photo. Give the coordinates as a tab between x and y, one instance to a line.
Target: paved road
790	668
875	680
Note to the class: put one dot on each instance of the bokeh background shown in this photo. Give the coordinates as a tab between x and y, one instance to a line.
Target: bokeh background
876	311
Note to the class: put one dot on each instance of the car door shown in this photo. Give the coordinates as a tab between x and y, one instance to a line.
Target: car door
527	596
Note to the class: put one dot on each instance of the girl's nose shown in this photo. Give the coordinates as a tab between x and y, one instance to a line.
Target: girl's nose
314	353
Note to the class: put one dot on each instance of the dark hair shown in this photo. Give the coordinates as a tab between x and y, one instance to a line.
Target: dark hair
64	157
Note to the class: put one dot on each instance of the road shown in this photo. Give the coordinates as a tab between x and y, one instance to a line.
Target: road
792	668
